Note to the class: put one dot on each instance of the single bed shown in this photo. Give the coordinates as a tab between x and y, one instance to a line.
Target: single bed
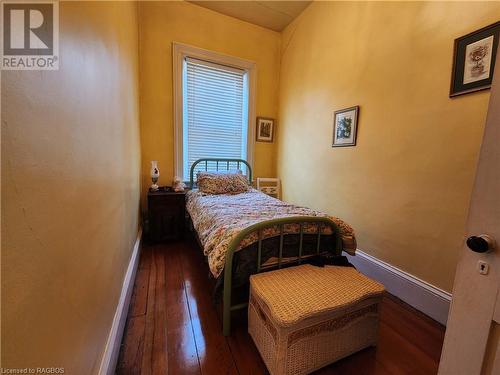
251	232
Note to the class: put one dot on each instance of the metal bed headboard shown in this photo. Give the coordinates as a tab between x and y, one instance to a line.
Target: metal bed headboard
216	164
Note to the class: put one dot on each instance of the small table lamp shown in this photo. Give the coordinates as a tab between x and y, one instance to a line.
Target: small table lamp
155	174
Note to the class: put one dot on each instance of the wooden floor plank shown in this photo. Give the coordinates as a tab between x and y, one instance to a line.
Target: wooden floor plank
131	352
182	352
147	357
159	361
179	330
425	333
362	363
244	351
155	337
139	299
213	351
400	355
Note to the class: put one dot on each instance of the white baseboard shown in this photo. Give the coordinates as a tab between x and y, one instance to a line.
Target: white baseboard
112	349
423	296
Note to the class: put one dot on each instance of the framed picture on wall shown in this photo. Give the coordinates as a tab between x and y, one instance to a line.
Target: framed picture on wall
474	60
265	129
345	126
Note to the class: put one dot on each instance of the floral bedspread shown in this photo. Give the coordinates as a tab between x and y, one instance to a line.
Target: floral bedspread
219	218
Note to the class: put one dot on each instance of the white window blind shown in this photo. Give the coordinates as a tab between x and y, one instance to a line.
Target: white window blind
215	112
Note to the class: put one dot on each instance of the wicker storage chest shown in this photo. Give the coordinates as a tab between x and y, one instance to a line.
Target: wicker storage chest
303	318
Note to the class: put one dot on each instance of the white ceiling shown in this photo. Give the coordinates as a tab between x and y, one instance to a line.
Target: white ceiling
274	15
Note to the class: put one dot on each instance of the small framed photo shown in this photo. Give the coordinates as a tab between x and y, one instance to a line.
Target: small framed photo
474	60
265	129
345	126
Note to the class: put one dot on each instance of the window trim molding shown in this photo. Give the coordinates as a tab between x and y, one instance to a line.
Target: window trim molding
181	51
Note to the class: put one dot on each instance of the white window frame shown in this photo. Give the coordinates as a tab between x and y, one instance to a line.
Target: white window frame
179	53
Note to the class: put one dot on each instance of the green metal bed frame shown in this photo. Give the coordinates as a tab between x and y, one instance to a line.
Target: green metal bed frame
321	222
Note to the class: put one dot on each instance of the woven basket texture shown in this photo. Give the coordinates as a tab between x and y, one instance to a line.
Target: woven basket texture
296	293
304	318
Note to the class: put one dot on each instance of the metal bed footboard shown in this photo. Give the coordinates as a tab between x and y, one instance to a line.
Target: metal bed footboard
320	222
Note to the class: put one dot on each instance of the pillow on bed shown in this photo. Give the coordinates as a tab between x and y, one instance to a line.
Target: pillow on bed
222	183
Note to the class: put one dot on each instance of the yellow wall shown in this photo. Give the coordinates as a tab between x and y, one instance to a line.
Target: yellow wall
405	187
70	190
162	23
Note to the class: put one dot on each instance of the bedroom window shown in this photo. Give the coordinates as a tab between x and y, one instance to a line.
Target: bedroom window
214	99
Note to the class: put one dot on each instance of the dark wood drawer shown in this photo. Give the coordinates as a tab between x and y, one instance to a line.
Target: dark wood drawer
167	212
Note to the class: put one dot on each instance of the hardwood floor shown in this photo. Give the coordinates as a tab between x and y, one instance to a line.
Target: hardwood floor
173	327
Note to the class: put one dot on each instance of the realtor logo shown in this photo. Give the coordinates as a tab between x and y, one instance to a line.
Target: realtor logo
30	35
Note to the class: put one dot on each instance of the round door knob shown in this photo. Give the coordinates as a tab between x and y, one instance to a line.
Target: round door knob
481	244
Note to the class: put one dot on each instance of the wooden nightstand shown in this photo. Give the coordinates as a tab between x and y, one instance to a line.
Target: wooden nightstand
167	214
